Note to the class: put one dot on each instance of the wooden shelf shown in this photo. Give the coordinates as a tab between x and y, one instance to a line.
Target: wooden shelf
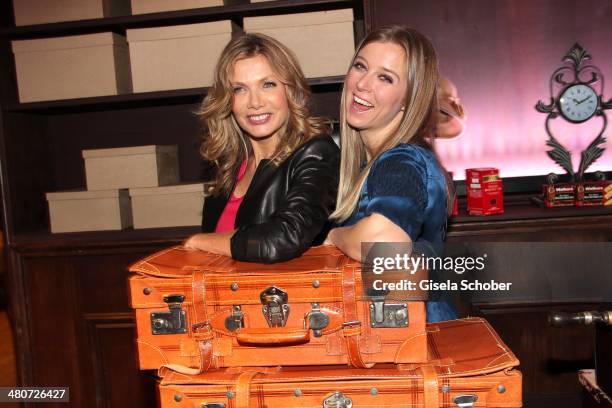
518	208
230	12
46	241
518	213
143	99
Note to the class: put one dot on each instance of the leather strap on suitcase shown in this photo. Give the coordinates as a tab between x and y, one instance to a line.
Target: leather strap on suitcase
430	385
351	328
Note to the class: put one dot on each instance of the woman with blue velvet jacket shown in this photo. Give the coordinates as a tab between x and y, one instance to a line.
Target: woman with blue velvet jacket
392	186
276	166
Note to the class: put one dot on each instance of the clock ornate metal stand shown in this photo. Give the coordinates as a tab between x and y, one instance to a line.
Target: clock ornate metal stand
577	102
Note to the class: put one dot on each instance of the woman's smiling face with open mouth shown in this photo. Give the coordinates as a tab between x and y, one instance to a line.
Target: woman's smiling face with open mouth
259	102
375	88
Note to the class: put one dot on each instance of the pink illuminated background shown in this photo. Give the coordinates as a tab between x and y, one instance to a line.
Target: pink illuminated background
501	54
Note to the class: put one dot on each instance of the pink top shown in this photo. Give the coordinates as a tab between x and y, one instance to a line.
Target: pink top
228	216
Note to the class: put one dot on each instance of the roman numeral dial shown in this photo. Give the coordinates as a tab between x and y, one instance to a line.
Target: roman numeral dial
578	103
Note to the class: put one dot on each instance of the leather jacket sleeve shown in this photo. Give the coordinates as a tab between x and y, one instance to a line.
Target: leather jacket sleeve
303	214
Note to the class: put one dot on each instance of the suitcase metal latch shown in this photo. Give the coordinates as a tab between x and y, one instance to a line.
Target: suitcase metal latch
173	322
465	401
275	308
337	400
387	315
316	320
212	405
236	320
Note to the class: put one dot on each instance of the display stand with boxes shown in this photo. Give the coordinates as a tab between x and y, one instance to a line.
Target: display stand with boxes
78	273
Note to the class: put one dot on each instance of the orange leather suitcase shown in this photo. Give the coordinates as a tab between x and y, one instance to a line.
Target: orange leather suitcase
470	367
196	311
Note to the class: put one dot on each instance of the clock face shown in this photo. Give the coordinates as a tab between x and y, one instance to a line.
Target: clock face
578	103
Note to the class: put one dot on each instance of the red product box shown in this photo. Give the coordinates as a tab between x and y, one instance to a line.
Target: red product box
559	195
591	193
485	195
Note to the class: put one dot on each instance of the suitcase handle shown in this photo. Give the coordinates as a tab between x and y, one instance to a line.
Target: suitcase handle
272	336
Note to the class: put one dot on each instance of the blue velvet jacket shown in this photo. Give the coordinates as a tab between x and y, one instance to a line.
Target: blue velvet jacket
407	185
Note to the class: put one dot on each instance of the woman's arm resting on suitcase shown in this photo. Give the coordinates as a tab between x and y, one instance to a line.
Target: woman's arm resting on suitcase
217	242
373	228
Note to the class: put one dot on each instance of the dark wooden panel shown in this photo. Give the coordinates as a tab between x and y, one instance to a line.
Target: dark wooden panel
525	222
80	327
52	314
550	357
111	341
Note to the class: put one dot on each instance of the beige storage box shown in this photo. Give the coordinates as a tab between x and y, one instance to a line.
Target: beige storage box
176	57
167	206
72	211
323	41
127	167
72	67
158	6
52	11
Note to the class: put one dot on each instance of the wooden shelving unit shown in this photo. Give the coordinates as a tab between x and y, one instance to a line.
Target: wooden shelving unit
80	278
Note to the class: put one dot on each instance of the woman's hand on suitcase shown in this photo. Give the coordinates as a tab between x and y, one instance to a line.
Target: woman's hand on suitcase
218	242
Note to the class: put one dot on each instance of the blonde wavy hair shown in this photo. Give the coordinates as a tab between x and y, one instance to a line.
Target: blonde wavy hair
418	121
224	144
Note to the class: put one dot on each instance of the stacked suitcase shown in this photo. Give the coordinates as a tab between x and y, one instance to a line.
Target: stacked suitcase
223	333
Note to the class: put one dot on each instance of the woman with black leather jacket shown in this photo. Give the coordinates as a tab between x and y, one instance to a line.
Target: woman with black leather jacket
276	166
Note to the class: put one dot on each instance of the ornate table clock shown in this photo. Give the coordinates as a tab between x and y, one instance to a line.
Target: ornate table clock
579	100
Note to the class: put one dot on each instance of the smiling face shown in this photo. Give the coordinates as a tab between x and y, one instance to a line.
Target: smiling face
259	102
375	91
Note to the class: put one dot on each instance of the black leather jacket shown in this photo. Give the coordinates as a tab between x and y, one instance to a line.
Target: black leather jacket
286	207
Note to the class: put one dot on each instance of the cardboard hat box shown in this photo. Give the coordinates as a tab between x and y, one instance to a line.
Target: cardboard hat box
29	12
158	6
73	211
72	67
176	57
167	206
323	41
127	167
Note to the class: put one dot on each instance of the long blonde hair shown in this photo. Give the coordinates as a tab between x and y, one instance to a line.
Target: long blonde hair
418	122
224	144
